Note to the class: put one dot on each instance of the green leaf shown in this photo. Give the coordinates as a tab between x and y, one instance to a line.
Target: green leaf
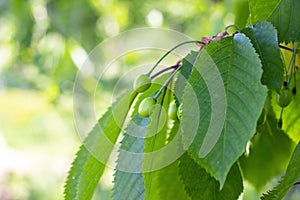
163	183
263	153
130	161
171	186
263	36
156	138
187	65
160	143
87	169
134	141
283	14
241	12
291	176
128	180
224	89
200	185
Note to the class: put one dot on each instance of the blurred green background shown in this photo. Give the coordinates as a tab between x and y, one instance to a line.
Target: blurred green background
40	42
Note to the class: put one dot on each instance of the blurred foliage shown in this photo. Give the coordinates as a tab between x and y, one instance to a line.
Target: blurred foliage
41	43
38	37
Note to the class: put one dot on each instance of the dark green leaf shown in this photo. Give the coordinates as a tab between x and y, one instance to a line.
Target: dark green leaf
263	36
224	89
291	176
200	185
263	152
87	169
283	14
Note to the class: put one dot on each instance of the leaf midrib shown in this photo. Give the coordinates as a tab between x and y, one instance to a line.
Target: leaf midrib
275	7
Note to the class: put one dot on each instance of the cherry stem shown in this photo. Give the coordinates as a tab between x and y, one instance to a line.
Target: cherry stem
297	183
281	112
292	63
166	69
289	49
167	82
295	81
295	78
168	52
280	118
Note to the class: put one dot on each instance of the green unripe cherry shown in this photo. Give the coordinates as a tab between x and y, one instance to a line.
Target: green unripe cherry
284	98
141	83
172	111
179	112
146	106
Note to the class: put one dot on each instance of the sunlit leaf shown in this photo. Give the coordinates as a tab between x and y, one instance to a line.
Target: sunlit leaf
291	176
263	153
87	169
170	185
164	182
241	11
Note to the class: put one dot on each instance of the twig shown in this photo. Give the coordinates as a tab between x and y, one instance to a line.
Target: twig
166	69
289	49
